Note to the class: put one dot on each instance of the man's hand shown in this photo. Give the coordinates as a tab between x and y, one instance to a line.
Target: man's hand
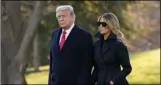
111	83
48	57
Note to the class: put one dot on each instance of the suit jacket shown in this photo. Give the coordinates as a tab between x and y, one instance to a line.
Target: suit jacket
73	64
109	55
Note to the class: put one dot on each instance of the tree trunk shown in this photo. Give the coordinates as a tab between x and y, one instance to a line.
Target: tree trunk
15	40
36	57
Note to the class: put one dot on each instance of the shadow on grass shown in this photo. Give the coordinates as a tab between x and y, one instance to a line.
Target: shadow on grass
35	71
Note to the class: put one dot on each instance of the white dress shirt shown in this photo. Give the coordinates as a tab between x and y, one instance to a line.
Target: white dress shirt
67	32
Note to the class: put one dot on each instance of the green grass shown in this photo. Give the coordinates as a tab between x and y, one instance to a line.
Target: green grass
38	77
145	70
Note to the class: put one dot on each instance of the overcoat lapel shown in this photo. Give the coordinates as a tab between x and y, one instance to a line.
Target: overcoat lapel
70	38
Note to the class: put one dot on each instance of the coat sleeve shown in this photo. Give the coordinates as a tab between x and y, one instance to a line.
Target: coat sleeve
94	73
95	70
124	61
50	62
84	76
50	70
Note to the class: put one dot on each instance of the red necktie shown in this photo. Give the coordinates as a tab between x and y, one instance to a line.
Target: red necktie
62	40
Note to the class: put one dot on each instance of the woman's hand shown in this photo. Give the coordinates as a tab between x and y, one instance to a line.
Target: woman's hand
111	83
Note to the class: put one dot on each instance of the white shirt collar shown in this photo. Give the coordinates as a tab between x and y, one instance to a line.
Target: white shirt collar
67	31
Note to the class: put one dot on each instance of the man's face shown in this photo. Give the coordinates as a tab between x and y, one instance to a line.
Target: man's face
64	18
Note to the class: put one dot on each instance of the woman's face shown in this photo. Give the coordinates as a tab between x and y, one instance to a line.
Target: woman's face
103	27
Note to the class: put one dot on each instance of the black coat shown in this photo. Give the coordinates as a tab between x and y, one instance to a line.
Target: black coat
73	64
109	55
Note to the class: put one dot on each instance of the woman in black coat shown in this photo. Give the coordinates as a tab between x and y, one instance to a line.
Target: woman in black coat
110	53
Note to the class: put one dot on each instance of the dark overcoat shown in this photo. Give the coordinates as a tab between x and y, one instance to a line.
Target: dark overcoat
109	55
73	64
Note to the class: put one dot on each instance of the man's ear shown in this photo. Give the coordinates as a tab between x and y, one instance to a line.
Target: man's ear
72	18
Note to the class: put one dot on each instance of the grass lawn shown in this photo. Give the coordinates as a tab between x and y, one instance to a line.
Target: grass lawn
145	70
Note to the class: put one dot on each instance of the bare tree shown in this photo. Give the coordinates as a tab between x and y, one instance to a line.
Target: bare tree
36	56
15	40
